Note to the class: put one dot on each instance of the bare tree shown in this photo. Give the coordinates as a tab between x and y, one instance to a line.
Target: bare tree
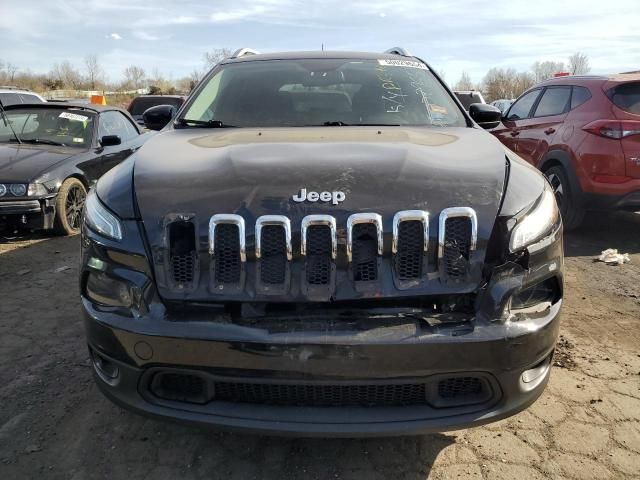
464	83
506	83
522	82
544	70
66	75
579	64
212	58
134	77
94	70
11	69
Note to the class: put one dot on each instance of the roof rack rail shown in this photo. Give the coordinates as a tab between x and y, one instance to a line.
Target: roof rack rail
398	51
10	87
241	52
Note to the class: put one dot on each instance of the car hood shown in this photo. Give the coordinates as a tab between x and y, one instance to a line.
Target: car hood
23	163
252	172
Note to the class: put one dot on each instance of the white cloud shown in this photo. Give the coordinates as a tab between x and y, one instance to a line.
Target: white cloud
116	36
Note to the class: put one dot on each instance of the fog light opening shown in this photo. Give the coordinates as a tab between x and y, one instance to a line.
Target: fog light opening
106	369
532	377
536	298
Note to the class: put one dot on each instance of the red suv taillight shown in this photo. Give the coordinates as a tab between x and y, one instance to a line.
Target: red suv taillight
615	129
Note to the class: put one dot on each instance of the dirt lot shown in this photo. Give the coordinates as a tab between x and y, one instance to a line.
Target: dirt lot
54	423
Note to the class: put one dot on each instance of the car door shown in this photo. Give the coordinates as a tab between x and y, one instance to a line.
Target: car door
114	122
536	133
512	121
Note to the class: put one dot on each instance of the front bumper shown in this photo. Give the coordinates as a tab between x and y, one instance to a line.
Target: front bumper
499	353
32	214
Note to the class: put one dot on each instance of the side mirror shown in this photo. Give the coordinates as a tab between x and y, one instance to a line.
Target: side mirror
156	118
110	140
487	116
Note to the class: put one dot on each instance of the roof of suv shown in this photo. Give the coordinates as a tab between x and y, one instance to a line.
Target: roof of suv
66	105
315	55
590	79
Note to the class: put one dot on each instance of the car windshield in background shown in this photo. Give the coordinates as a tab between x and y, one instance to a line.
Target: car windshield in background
140	104
48	126
323	92
627	97
466	99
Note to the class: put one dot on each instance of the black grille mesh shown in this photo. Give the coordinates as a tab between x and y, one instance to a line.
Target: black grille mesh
408	259
459	386
439	393
273	251
321	395
227	253
182	252
318	255
457	243
365	252
182	267
179	387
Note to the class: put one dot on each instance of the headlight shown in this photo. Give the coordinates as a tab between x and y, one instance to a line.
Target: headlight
3	190
18	189
36	190
101	220
537	223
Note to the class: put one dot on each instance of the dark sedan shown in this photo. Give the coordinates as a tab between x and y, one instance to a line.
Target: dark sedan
51	154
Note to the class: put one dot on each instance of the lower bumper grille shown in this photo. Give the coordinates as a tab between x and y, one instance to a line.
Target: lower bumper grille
441	392
321	395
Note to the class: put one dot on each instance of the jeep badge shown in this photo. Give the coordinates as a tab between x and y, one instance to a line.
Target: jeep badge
333	197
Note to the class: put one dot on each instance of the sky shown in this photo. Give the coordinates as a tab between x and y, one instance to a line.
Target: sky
453	36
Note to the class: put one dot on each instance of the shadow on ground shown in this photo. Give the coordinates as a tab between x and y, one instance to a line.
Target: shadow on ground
602	230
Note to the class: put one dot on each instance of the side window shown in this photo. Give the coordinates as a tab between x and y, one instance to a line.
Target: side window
26	98
115	123
9	99
522	107
579	96
554	101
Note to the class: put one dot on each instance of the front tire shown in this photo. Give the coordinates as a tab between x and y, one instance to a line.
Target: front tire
572	214
69	205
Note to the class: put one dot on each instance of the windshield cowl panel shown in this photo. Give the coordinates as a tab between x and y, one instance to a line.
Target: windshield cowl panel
322	92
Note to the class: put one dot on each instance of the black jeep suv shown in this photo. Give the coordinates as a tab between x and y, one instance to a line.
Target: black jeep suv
323	244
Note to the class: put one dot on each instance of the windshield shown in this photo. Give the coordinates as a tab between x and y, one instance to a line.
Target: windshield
141	104
315	92
53	126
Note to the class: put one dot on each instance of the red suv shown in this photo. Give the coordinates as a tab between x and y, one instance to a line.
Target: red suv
583	132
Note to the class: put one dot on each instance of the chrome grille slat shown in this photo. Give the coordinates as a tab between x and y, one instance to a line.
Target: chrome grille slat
410	243
273	248
457	239
319	244
360	218
227	245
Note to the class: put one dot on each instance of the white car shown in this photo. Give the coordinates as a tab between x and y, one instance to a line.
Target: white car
14	95
467	97
503	104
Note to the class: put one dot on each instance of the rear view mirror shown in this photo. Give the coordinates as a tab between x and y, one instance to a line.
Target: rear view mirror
156	118
487	116
110	140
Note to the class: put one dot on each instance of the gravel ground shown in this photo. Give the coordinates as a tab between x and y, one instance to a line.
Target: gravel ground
54	423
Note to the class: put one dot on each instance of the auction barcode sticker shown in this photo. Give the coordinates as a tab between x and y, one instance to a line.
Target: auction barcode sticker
73	116
403	63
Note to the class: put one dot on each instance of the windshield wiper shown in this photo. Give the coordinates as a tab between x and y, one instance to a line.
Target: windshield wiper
7	123
340	123
43	141
186	122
